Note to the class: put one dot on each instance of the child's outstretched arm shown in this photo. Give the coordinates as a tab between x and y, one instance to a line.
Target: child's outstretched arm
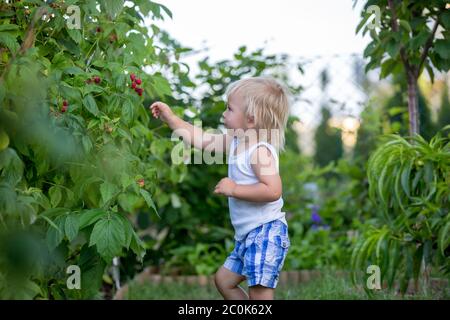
190	133
269	187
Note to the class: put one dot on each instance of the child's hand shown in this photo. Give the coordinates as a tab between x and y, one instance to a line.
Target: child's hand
161	110
225	187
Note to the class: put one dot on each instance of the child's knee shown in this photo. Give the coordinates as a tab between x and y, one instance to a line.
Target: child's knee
219	279
259	292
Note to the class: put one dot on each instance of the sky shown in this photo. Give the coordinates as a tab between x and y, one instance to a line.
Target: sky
296	27
321	30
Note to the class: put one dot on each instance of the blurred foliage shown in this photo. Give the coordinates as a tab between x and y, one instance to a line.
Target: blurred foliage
328	141
409	183
77	156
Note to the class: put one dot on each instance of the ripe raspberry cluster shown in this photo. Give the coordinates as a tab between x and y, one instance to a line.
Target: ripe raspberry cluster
135	82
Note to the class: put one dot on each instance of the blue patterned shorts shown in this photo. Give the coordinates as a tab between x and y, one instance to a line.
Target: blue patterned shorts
260	256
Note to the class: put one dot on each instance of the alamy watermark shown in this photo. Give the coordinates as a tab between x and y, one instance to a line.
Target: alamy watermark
74	17
374	280
374	10
74	280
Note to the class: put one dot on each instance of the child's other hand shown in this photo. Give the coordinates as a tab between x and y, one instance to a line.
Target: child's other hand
225	187
161	110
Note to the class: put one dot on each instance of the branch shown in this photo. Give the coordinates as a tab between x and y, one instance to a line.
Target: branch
429	40
396	29
28	41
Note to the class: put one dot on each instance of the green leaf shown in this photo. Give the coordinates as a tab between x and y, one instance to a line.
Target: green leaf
92	269
108	237
9	41
149	200
50	222
113	7
9	27
128	112
128	229
442	47
73	70
405	25
445	18
55	235
90	104
88	217
387	67
161	85
4	140
72	226
138	247
68	91
393	48
419	40
75	35
55	195
166	10
444	238
405	177
362	22
107	190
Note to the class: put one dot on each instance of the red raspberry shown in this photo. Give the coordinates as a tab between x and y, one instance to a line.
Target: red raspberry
132	77
65	103
133	85
64	109
138	81
97	80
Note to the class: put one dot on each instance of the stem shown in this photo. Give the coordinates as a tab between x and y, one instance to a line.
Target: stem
413	105
412	74
430	40
395	28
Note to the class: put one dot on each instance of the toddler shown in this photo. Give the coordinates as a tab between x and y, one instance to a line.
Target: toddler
255	118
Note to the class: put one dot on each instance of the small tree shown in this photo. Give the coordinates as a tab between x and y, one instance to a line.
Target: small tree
403	42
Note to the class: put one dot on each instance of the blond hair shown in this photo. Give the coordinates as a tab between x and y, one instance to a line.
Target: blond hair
267	101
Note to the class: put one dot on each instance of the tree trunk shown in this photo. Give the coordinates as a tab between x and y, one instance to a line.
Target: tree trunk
413	107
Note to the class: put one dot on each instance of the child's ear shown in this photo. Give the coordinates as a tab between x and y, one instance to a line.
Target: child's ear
250	122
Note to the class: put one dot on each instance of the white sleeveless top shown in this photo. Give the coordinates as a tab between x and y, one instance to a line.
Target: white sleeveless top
247	215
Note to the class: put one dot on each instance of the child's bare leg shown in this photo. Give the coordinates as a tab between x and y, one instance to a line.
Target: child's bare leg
259	292
227	282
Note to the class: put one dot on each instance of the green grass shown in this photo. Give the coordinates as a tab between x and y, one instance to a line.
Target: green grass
328	287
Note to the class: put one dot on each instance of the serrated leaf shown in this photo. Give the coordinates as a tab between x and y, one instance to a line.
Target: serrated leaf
55	235
128	112
113	7
9	41
138	247
90	104
148	198
55	195
128	230
108	237
72	226
88	217
107	190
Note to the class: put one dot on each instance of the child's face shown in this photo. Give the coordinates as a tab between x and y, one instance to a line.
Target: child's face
234	116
